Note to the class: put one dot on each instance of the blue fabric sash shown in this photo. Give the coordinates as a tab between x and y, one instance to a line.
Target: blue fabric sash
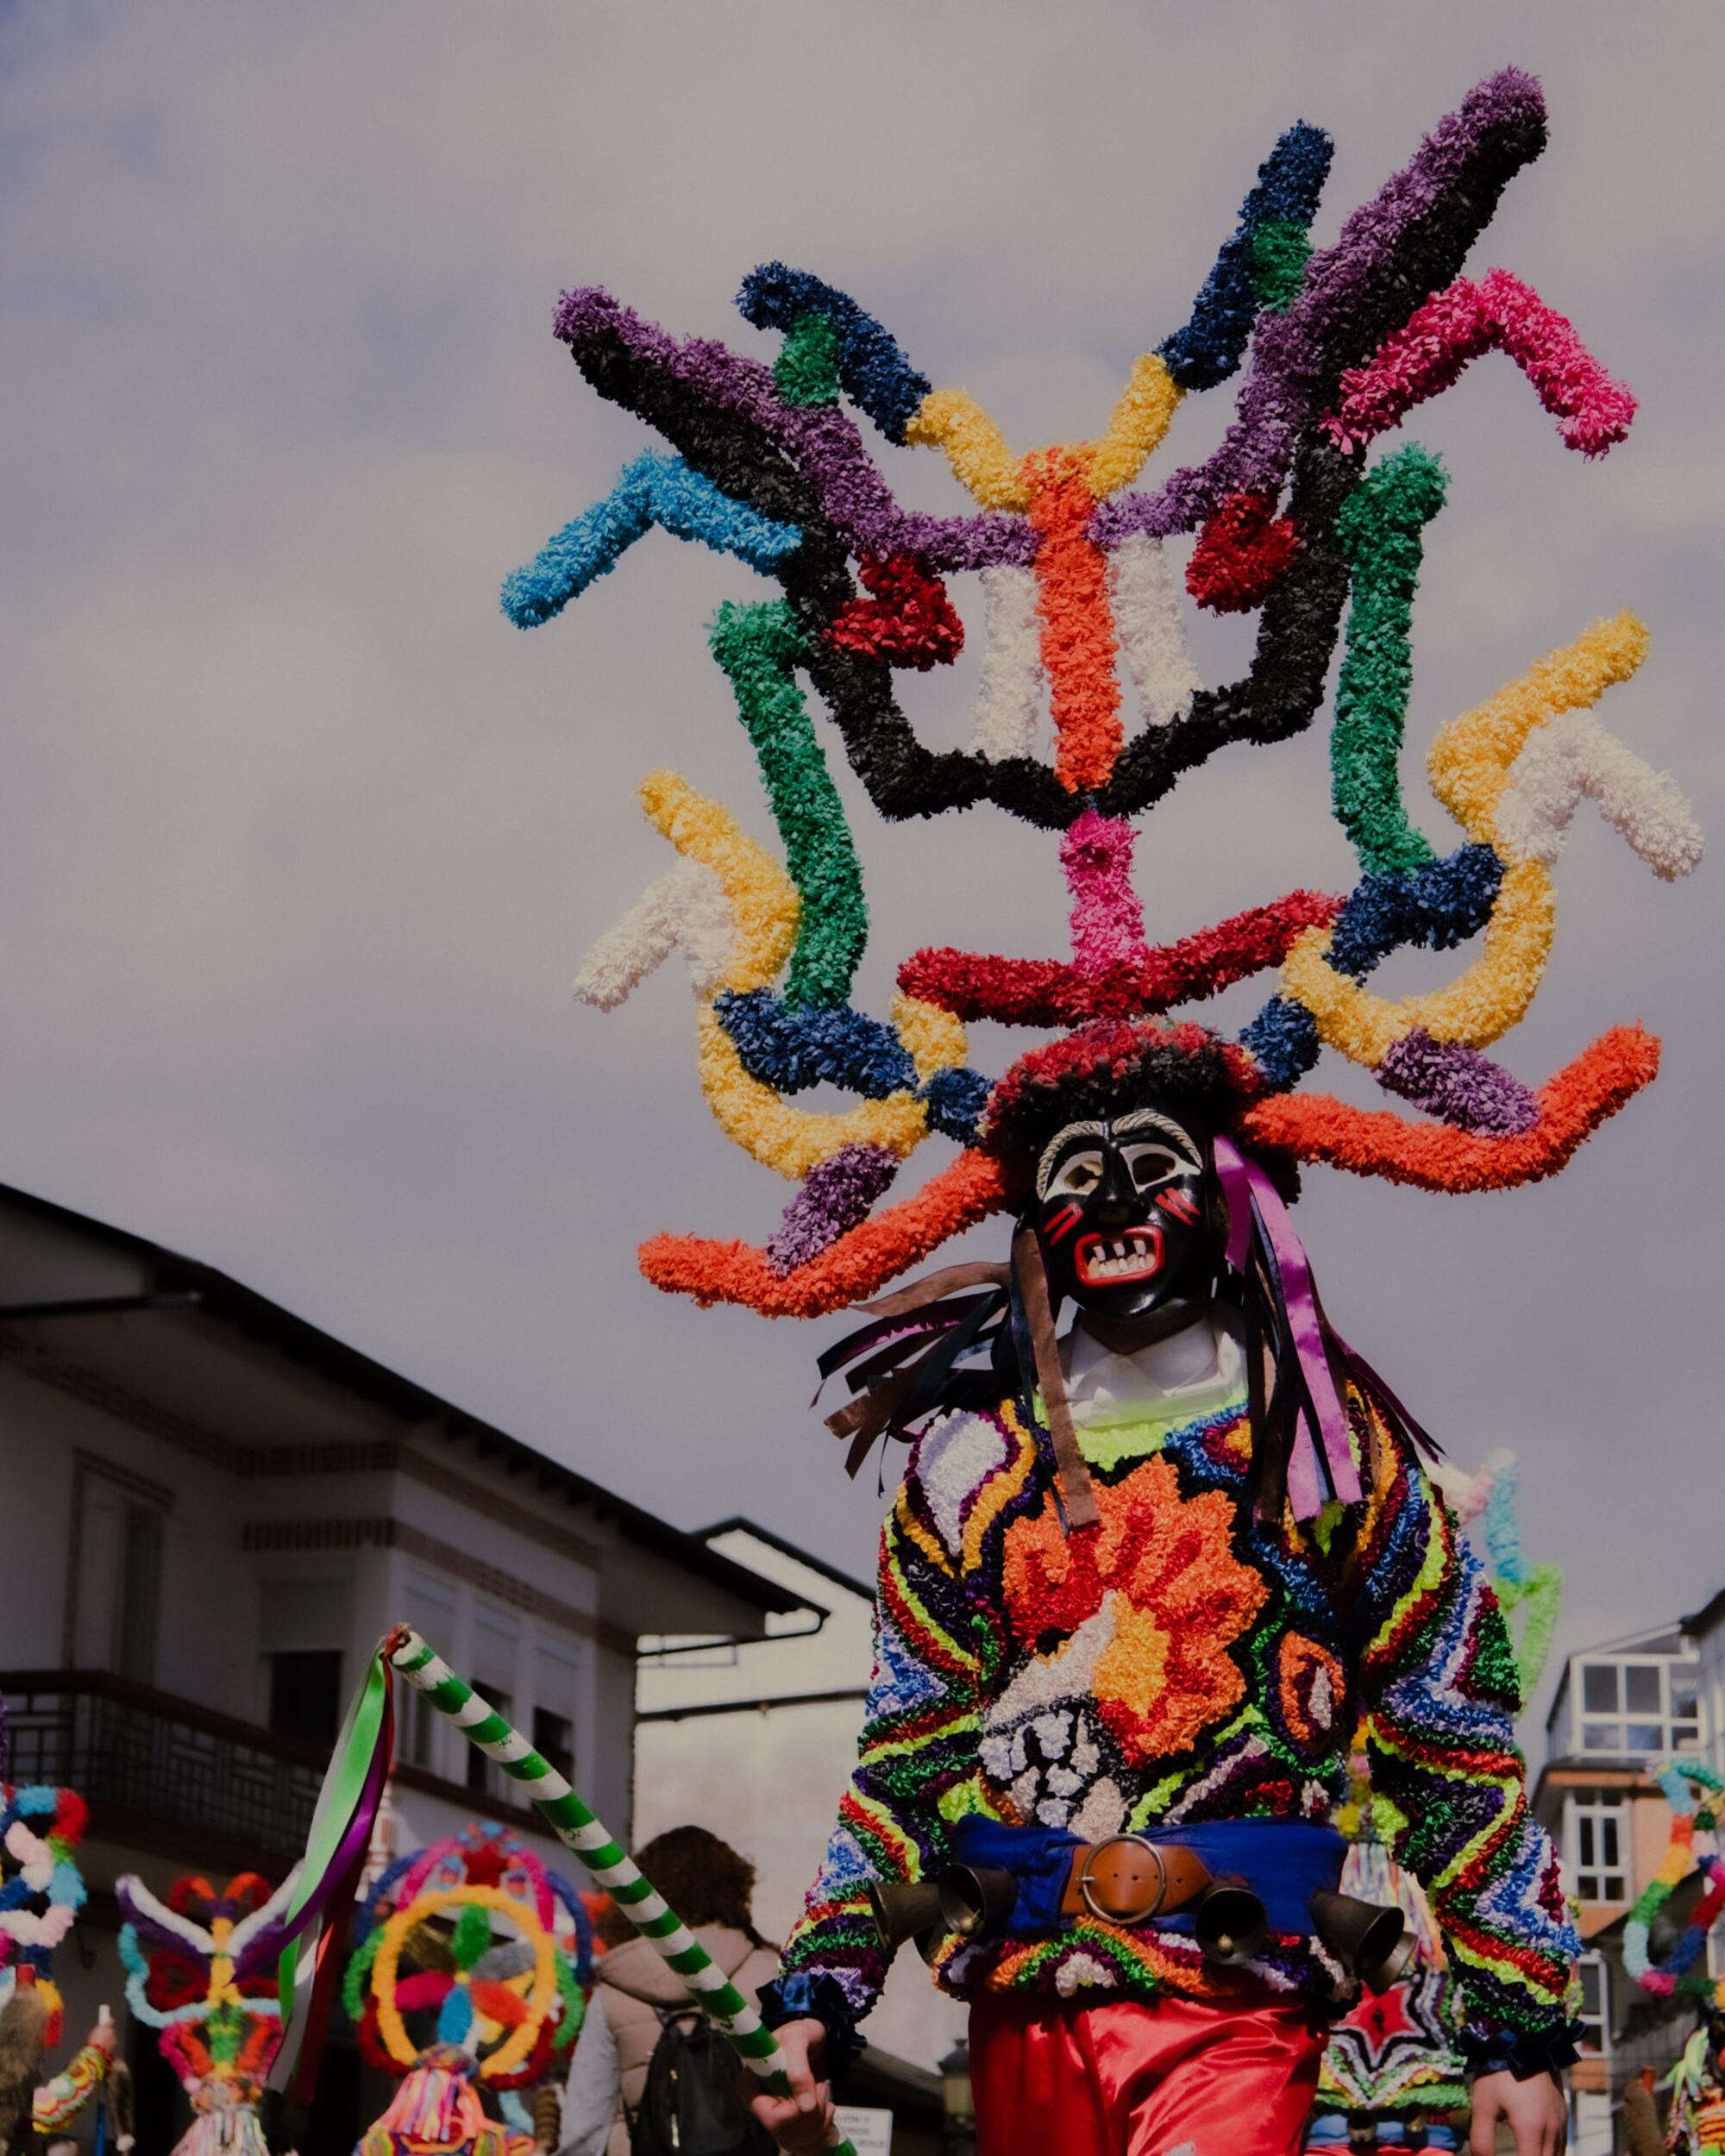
1284	1862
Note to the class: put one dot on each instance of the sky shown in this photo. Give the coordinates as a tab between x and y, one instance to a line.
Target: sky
301	842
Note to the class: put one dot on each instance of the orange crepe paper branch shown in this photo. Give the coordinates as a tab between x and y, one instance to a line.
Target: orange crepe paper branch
849	1271
1434	1155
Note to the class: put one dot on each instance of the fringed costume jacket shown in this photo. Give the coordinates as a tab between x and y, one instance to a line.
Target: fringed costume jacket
1186	1661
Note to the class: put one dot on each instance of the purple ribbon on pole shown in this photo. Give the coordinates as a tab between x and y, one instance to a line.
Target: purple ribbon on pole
1249	1191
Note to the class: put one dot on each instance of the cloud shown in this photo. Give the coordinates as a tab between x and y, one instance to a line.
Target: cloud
299	841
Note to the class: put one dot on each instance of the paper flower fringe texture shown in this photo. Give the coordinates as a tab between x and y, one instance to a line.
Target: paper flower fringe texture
1089	709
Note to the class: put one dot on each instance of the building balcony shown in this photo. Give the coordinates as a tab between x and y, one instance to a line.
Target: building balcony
160	1773
164	1775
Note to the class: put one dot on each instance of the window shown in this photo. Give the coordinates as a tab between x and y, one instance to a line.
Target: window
137	1606
1595	2034
430	1605
305	1694
421	1730
554	1739
485	1779
1598	1843
1685	1711
1641	1707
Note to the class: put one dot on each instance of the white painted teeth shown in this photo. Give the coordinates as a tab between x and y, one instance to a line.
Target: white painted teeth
1129	1255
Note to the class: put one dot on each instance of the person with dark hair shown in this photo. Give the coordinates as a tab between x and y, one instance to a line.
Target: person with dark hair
712	1886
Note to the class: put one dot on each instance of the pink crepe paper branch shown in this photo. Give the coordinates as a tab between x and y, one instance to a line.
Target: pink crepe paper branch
1501	313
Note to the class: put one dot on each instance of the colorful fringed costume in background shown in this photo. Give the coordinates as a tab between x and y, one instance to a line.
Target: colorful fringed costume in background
41	1890
1696	2125
1147	1625
1394	2060
487	2012
201	1971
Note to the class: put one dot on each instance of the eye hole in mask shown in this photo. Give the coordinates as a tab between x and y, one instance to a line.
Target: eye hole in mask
1077	1175
1150	1166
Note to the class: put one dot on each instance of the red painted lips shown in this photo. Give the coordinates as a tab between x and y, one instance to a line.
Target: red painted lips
1112	1261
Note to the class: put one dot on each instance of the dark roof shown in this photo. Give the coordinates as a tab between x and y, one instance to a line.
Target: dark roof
179	1280
1704	1619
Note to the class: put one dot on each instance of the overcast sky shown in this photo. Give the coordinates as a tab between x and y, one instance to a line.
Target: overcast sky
300	841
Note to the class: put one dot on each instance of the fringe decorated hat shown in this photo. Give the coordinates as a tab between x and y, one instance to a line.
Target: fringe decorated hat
1089	709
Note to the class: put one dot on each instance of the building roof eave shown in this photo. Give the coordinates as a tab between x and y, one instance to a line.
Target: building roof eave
183	1286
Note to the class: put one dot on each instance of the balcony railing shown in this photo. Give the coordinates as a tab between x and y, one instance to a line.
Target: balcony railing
161	1772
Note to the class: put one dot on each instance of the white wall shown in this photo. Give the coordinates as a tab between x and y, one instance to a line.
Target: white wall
769	1783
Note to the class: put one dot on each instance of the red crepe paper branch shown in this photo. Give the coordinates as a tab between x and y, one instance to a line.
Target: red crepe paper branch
1049	992
1243	552
1436	1156
910	620
847	1271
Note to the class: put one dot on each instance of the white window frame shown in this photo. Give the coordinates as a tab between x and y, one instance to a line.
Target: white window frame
1599	1808
1602	2021
1610	1728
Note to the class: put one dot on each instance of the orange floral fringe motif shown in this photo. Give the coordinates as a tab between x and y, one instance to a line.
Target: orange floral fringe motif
1434	1156
848	1271
1180	1599
1078	647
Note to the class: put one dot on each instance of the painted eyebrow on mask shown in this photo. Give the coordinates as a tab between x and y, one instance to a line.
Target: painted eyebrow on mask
1057	1144
1134	1124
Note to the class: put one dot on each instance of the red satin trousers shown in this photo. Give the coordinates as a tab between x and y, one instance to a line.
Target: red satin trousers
1123	2078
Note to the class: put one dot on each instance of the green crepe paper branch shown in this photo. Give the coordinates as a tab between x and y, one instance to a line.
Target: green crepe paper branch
1537	1594
806	369
609	1864
1280	252
1381	531
758	646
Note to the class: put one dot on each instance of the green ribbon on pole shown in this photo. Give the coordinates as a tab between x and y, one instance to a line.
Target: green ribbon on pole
338	1803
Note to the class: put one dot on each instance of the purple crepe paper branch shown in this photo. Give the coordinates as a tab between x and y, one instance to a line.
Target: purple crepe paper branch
1458	1084
836	1194
821	440
1279	399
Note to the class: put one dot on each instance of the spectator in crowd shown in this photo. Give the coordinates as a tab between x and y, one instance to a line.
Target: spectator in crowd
710	1887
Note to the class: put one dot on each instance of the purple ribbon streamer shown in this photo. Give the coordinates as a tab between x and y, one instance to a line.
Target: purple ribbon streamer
1250	1192
354	1836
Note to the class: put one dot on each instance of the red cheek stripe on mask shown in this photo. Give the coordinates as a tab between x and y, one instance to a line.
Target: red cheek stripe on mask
1179	1205
1064	1223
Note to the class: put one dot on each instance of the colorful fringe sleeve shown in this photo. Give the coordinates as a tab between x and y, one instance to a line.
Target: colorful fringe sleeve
916	1765
1440	1692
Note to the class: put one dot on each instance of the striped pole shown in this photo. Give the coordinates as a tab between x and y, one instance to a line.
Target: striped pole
609	1864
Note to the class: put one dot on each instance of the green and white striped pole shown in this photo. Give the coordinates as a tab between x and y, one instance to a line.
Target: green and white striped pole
611	1865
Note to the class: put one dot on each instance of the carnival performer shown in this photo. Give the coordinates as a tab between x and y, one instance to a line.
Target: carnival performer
1099	1620
1696	2126
1140	1585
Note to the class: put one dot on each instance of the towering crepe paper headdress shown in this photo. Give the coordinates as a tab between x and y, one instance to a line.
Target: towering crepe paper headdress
201	1970
483	1949
1293	520
41	1888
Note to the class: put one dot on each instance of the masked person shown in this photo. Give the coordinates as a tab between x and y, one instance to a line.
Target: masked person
1117	1669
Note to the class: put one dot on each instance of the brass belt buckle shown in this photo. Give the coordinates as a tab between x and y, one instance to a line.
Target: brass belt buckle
1086	1886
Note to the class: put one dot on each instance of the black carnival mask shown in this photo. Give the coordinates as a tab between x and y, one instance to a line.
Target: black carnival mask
1120	1214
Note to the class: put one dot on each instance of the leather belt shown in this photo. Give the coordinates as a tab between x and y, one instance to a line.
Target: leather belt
1128	1879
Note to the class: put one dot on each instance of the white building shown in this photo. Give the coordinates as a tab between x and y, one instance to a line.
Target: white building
214	1511
756	1741
1620	1709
